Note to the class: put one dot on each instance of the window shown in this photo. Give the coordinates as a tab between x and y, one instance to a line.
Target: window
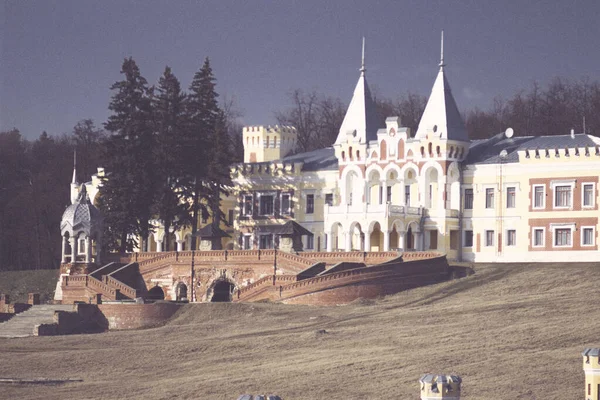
329	199
468	239
247	205
454	240
407	195
489	198
538	197
511	194
388	196
266	241
562	237
468	199
310	203
433	236
587	236
246	242
266	205
489	238
81	246
588	195
562	196
511	237
285	204
538	237
230	217
310	242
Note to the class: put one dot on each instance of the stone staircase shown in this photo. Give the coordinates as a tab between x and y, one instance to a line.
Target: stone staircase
22	324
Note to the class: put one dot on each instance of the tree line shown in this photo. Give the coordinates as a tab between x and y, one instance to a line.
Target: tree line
554	109
166	153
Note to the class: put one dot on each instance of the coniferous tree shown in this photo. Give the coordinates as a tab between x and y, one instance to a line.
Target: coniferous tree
204	116
218	161
169	117
127	194
88	140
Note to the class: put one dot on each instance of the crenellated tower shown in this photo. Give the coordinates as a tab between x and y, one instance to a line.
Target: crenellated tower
268	143
591	367
435	387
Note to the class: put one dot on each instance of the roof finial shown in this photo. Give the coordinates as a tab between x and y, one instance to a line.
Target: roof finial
442	51
362	65
584	125
74	166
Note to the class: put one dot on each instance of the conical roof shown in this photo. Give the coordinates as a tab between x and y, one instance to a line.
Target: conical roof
441	117
361	117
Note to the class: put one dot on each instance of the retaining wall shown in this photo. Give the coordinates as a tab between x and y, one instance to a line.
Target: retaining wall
136	316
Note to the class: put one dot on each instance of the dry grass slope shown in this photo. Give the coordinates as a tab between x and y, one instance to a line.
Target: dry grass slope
511	331
18	284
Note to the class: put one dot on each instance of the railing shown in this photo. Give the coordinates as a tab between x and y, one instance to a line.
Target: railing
123	288
404	210
91	282
359	274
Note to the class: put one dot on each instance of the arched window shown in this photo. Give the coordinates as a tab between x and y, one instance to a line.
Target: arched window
343	155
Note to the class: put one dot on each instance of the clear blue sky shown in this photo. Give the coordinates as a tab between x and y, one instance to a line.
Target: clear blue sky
58	58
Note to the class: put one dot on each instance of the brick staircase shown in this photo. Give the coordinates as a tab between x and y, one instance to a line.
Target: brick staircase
22	324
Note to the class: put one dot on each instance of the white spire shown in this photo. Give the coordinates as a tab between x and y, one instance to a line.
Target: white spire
362	64
441	117
74	166
361	117
442	52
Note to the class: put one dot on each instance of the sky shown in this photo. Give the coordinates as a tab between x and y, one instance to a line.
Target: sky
58	59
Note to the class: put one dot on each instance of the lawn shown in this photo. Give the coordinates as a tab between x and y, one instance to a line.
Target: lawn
510	331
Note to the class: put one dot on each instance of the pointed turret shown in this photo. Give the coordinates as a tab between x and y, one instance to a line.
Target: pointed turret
361	117
441	117
74	184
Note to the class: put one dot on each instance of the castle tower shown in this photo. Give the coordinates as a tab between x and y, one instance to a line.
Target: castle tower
435	387
263	144
591	367
441	117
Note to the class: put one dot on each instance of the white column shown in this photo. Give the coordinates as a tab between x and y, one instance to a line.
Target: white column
159	245
73	249
180	245
329	240
62	252
88	249
419	241
386	240
367	241
348	241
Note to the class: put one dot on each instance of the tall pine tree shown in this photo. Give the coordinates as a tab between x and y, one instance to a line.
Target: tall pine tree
127	194
168	105
204	117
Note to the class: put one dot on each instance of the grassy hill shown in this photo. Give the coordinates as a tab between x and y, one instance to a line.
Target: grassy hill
18	284
511	331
